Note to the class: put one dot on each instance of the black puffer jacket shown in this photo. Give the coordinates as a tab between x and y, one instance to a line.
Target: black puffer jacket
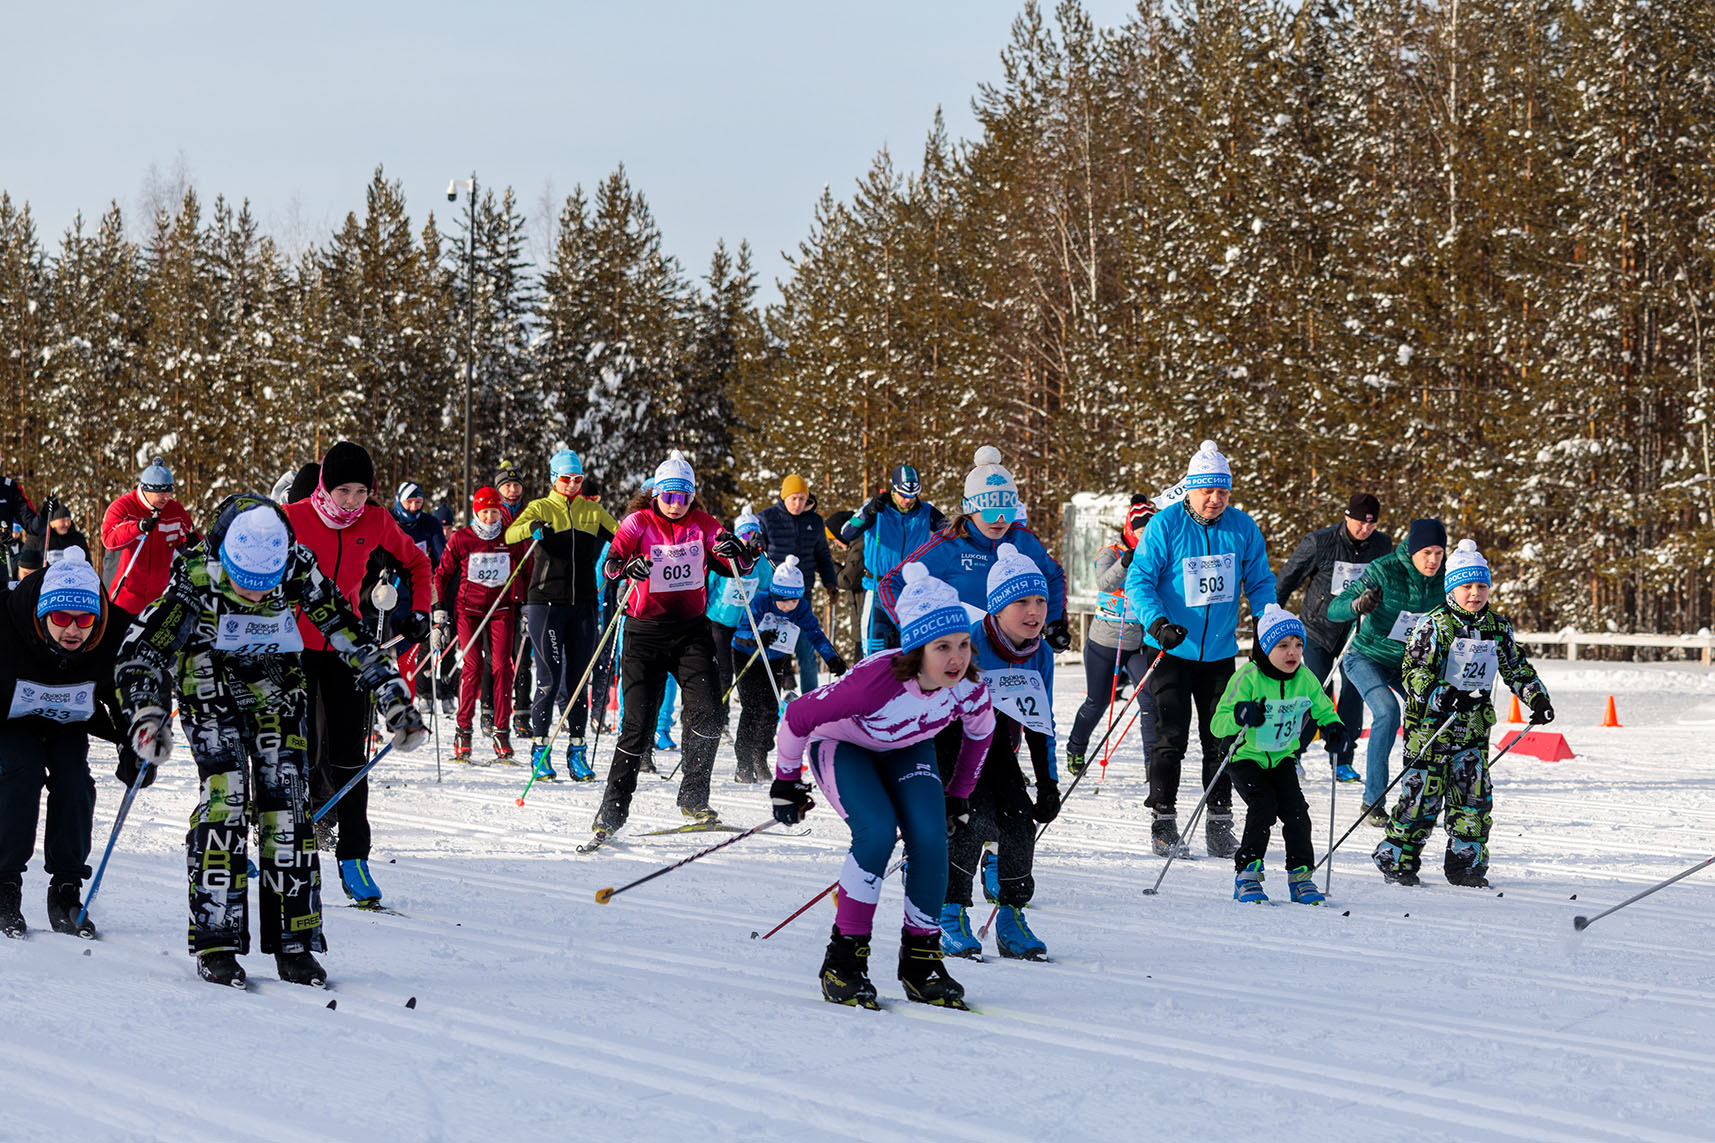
1313	562
803	535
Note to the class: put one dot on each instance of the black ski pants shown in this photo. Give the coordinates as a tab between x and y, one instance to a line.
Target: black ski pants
341	712
653	649
1272	794
562	637
1177	685
759	717
58	760
1000	812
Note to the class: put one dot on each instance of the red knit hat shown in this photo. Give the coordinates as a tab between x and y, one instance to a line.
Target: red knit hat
484	497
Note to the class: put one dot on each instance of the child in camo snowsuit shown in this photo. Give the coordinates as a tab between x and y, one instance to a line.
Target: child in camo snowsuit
1451	661
242	696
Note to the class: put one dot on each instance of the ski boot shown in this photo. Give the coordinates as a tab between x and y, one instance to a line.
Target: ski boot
1218	835
11	911
1164	836
1076	764
300	968
1344	773
578	761
923	974
541	766
1376	814
359	885
461	744
1303	887
503	747
64	906
1014	937
701	815
845	972
486	722
956	936
220	967
1387	857
991	876
664	741
646	764
521	724
1247	885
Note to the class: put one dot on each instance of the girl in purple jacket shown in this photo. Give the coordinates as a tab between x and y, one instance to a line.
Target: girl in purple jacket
871	742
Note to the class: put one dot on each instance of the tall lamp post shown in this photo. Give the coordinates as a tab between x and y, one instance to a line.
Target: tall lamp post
470	322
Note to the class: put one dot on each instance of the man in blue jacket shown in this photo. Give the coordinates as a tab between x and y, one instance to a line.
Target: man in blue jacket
894	524
1184	587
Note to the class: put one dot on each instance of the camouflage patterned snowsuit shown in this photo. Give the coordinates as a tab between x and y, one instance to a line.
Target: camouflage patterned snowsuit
243	701
1454	767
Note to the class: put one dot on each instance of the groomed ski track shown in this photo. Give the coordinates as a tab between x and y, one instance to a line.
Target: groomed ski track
1428	1013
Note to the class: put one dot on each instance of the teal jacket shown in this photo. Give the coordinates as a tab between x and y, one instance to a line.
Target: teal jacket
1381	637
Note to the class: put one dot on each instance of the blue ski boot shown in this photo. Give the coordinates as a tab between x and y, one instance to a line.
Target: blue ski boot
359	885
1303	887
956	936
1014	937
541	765
991	878
664	741
1344	773
578	762
1247	885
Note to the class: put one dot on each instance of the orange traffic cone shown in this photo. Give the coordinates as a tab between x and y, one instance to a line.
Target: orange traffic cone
1612	718
1515	716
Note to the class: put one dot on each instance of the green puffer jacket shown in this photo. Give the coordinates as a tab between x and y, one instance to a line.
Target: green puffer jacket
1285	703
1426	669
1405	591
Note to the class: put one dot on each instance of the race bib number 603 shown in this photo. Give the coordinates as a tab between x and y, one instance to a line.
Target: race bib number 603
676	567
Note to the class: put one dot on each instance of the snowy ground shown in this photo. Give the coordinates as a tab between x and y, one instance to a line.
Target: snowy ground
1433	1012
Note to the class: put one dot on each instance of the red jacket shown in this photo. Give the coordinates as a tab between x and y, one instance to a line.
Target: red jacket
454	582
343	555
683	551
144	584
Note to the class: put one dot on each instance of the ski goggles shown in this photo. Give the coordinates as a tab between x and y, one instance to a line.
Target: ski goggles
996	515
674	499
79	619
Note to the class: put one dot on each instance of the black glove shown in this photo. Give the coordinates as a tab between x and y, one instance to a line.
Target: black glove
770	636
1541	710
728	546
958	813
637	567
1056	634
542	530
1472	700
1368	600
1166	635
1047	802
1444	699
837	665
1129	555
128	767
50	507
791	800
877	504
1335	738
147	524
1249	713
414	626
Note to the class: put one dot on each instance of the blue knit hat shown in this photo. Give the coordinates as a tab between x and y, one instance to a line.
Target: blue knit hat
565	463
255	548
747	521
905	481
928	609
1466	565
70	584
1276	624
1012	576
157	477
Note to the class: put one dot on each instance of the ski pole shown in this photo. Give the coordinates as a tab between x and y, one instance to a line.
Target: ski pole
1114	687
435	711
1172	853
118	824
135	552
760	645
1338	672
1448	721
603	896
1138	689
489	614
346	789
1582	923
805	907
601	645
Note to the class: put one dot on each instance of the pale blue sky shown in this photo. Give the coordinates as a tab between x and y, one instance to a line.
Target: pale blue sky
729	116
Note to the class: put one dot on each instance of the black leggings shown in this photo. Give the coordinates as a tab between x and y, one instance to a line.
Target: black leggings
1271	795
1177	684
340	713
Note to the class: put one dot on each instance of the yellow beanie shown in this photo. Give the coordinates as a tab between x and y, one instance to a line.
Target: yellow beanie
792	486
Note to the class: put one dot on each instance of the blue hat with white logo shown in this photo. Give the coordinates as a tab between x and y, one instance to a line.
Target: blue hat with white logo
1466	565
1208	469
928	609
1012	576
70	584
255	549
565	463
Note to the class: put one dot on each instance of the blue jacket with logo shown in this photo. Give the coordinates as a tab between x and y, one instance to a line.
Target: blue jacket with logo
1017	702
889	534
1177	547
725	606
802	615
964	561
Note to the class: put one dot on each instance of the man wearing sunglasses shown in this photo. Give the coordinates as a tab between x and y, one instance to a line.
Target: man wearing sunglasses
560	605
59	636
894	522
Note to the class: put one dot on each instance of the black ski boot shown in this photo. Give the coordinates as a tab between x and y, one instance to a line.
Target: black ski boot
845	972
1218	835
300	968
923	973
11	909
1164	836
64	906
221	968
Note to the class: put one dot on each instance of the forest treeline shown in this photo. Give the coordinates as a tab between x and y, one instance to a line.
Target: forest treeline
1456	252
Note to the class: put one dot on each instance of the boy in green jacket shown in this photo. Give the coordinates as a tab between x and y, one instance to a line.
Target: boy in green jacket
1266	701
